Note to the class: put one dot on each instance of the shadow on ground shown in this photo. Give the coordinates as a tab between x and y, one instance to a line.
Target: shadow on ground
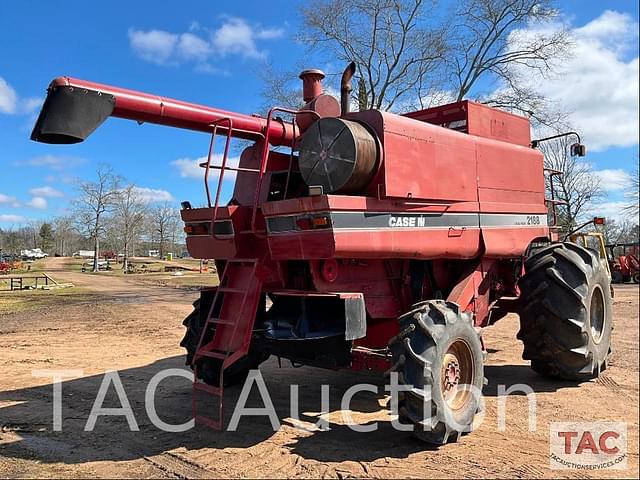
29	414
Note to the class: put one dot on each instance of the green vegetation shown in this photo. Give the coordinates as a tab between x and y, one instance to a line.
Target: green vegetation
27	300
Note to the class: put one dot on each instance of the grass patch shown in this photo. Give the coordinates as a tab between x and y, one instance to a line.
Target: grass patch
26	300
188	280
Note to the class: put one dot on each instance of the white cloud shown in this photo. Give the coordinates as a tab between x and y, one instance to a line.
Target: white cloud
31	104
191	46
610	210
189	167
11	218
8	97
234	37
11	103
47	191
37	202
55	162
8	200
269	33
150	195
599	84
155	46
613	179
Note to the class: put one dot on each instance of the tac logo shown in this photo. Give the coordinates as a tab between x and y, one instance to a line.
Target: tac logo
588	446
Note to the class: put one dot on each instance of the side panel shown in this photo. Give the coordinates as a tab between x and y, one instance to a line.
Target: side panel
509	174
424	161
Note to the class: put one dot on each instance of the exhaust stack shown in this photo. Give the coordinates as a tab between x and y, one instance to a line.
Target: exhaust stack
345	87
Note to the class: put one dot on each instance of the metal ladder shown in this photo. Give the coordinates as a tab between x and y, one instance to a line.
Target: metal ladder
553	201
238	340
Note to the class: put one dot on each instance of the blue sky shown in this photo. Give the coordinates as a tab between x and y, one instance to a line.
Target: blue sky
210	52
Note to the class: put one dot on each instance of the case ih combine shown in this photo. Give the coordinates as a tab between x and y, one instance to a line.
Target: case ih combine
374	241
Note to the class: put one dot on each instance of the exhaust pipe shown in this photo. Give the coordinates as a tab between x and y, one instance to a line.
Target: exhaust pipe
345	87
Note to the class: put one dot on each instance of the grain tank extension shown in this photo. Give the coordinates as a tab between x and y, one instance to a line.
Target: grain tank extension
370	241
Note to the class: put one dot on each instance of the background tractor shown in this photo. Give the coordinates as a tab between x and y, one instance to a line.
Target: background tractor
370	241
624	263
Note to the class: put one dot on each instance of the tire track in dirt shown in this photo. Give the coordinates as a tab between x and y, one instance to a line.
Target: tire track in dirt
177	466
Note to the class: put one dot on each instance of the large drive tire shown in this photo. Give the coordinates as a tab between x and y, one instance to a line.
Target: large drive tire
566	314
209	368
437	350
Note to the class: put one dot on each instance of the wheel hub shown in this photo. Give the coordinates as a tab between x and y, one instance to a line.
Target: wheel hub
457	375
597	315
451	372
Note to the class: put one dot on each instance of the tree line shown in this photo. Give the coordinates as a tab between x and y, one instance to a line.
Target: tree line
108	214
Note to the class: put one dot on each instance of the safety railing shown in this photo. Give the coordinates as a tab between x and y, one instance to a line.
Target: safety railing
264	158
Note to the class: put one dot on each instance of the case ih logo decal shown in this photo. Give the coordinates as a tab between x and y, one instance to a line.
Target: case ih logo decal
381	220
404	221
588	446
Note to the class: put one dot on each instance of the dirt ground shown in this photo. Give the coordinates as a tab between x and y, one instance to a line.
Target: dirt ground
120	324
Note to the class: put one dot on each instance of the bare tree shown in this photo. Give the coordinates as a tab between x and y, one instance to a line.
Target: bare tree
633	193
619	231
578	186
64	234
11	241
392	42
164	223
31	232
96	200
410	54
281	87
491	39
129	215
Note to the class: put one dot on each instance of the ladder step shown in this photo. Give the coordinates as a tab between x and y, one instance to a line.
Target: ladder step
232	290
221	321
218	355
209	422
216	391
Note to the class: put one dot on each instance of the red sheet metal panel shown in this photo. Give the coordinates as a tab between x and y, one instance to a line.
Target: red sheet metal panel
480	120
509	174
423	161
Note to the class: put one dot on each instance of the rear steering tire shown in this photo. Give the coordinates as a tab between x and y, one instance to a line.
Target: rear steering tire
566	314
439	354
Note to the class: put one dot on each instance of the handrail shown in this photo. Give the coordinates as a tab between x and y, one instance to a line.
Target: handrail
263	162
222	170
552	173
265	155
206	165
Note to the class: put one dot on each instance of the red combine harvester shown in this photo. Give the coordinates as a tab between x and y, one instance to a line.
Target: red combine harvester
374	242
624	266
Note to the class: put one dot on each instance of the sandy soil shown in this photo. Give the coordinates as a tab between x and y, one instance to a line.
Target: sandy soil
135	329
